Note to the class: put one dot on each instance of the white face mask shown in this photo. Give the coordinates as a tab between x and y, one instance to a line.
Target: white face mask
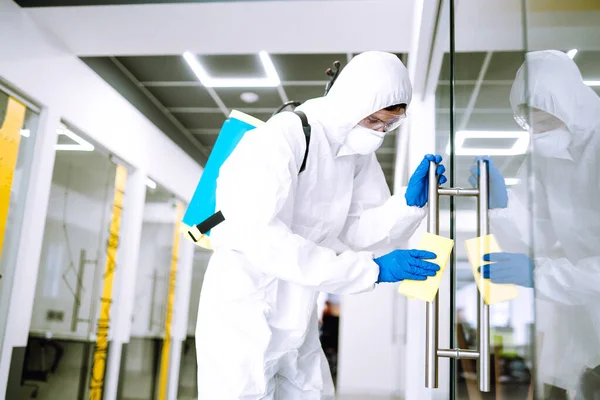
552	143
362	140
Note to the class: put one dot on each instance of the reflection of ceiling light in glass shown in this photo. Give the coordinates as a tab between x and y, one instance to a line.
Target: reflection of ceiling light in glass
519	146
249	97
592	83
571	53
150	183
511	181
81	144
25	132
272	79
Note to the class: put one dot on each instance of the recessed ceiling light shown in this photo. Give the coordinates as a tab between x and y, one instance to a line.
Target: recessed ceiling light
81	144
512	181
519	146
150	183
592	83
249	97
572	53
25	132
271	80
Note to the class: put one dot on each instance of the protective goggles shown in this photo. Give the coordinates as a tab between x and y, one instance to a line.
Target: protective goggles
536	120
374	123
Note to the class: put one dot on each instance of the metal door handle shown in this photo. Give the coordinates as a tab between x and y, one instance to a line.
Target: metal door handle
432	352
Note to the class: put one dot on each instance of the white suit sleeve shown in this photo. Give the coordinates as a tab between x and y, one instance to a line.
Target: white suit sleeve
256	182
377	220
567	283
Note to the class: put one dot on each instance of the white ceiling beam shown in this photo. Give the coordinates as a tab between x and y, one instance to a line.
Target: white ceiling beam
227	27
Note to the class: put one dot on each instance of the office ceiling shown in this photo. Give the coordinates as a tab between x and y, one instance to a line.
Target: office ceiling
165	88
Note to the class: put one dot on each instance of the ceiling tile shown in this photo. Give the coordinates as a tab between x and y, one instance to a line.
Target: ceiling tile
504	65
462	95
495	122
233	66
187	96
303	93
494	96
305	67
267	97
389	141
201	120
386	158
466	66
588	62
158	68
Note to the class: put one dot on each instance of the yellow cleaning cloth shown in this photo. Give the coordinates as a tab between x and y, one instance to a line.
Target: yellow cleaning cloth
427	289
492	292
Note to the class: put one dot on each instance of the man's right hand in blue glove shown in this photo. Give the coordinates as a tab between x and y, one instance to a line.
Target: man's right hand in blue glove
406	264
417	192
498	193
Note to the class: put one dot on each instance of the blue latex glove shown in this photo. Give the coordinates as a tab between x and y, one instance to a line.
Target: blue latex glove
406	264
417	192
498	196
514	268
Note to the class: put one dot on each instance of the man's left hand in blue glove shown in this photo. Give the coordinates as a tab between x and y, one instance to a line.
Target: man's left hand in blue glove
514	268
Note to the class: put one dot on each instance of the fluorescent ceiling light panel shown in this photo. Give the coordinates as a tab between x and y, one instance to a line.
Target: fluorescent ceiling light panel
512	181
82	145
25	132
519	147
272	79
592	83
150	183
572	53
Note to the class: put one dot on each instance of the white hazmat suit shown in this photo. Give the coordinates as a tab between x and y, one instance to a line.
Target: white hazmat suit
566	219
287	237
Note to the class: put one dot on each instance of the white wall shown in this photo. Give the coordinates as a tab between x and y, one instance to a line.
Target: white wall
40	68
46	72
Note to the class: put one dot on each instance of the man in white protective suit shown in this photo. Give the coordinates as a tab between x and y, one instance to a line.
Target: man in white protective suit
288	236
564	120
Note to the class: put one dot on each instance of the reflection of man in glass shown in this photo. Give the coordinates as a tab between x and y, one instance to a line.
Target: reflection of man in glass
563	116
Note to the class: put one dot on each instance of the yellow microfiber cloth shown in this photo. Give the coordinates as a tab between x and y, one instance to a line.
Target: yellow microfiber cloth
427	289
492	292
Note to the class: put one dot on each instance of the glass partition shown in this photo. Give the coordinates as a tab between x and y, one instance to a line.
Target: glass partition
73	260
18	132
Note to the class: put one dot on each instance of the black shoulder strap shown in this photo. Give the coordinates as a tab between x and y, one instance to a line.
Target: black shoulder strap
306	128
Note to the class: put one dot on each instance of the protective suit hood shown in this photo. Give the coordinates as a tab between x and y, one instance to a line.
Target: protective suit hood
370	82
555	86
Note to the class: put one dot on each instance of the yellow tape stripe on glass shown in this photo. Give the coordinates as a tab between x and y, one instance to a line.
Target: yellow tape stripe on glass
427	289
10	137
101	347
166	349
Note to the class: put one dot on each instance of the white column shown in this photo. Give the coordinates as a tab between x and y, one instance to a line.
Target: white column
126	274
30	243
183	286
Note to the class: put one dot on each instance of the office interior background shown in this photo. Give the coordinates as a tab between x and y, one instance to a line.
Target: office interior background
97	286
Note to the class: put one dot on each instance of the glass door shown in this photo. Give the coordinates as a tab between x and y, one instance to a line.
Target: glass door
486	208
